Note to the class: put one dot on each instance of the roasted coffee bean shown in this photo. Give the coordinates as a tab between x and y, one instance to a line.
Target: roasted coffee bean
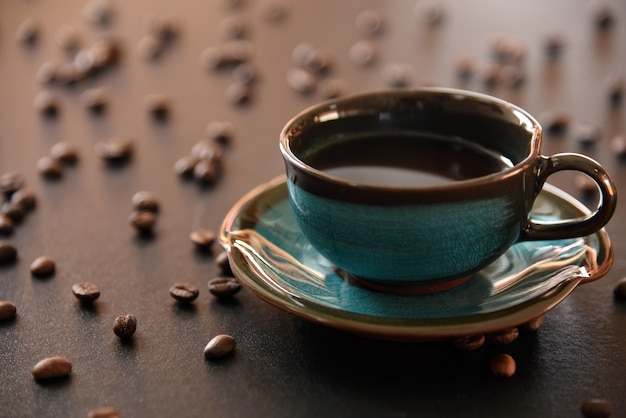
556	121
618	146
588	134
6	225
12	210
532	325
301	80
596	408
8	253
28	31
227	54
220	131
184	292
7	310
65	152
469	343
46	73
24	197
363	53
67	38
116	149
69	74
184	166
603	16
274	10
398	75
585	184
52	367
619	291
319	60
104	412
245	73
49	167
150	47
98	12
464	68
95	100
220	346
207	150
11	183
301	52
505	336
47	103
513	75
158	105
238	93
502	365
203	238
43	266
206	172
145	200
554	45
369	22
489	74
222	262
430	12
105	52
165	29
331	88
86	292
125	326
143	221
224	287
232	27
615	87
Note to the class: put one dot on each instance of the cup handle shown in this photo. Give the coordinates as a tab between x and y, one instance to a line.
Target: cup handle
580	227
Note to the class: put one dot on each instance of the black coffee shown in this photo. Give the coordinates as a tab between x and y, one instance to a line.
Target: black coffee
405	159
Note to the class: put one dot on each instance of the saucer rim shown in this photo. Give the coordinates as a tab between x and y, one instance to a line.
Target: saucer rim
392	328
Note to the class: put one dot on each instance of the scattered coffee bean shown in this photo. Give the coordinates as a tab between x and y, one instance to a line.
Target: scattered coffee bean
502	365
28	31
220	346
533	324
68	74
619	291
184	292
206	172
203	238
47	103
320	60
238	93
512	75
49	167
43	266
95	99
11	183
104	412
232	27
220	131
6	225
489	74
469	343
52	367
229	53
67	38
554	45
46	73
603	16
588	134
618	146
149	47
98	12
143	221
114	150
8	253
301	80
125	326
369	22
7	310
430	12
145	201
208	151
158	105
397	74
331	88
615	87
363	53
224	287
556	122
25	198
12	210
301	52
165	29
222	262
506	336
65	152
86	292
184	166
274	10
586	185
464	68
596	408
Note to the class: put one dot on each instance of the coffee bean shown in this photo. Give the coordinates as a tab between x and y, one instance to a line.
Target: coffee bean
52	367
6	225
184	292
398	75
615	86
7	310
232	27
274	10
220	131
320	60
220	346
184	166
69	74
469	343
238	93
301	52
224	287
502	365
43	266
488	73
49	167
513	75
331	88
206	172
363	53
430	12
619	291
143	221
203	238
46	73
588	134
25	198
12	210
207	150
532	325
28	31
11	183
369	22
65	152
95	100
115	149
554	45
8	253
86	292
98	12
245	73
125	326
47	103
505	336
585	184
603	16
104	412
229	53
145	201
556	121
222	262
596	408
301	80
150	47
104	52
158	105
67	38
618	146
165	29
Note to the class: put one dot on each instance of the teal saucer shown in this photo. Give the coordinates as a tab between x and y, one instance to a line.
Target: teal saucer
272	258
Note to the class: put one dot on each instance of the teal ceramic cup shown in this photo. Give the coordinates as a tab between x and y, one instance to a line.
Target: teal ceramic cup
347	162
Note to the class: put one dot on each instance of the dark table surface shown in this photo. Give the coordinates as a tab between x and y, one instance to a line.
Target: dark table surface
283	365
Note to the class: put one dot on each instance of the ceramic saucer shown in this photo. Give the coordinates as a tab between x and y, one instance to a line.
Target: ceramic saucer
271	257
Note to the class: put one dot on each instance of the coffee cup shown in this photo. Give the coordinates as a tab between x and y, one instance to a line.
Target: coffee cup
413	191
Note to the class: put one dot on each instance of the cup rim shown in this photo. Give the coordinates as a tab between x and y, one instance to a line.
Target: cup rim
527	121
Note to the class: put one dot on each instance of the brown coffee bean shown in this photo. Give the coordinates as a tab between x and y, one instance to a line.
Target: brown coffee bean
67	38
202	238
49	167
52	367
104	412
115	149
166	29
95	99
331	88
502	365
25	198
556	121
46	103
220	346
232	27
301	52
274	10
619	291
184	166
12	210
220	131
238	93
588	134
46	74
11	183
603	16
615	87
143	221
503	337
98	12
618	146
86	292
363	53
6	225
28	31
7	310
125	326
43	266
532	325
184	292
68	74
469	343
301	80
8	253
145	201
554	44
369	22
64	152
158	105
150	47
430	13
222	262
208	150
398	75
596	408
206	172
224	287
320	60
245	73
